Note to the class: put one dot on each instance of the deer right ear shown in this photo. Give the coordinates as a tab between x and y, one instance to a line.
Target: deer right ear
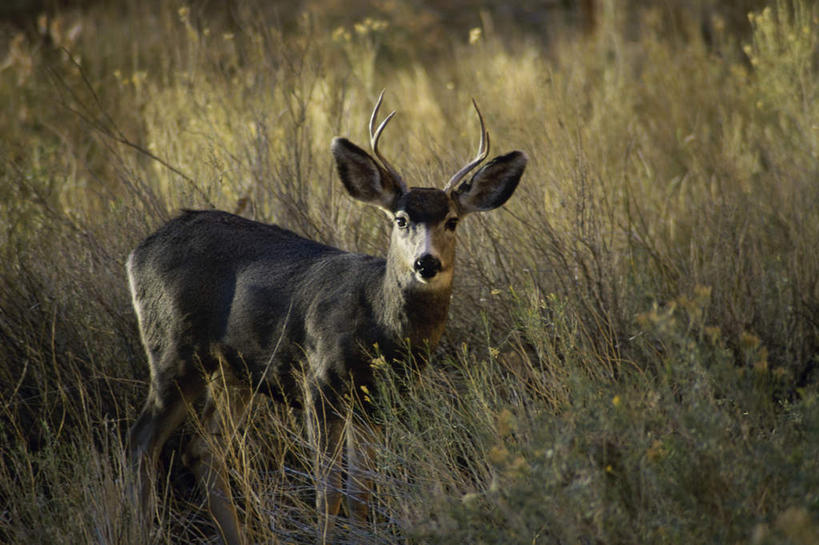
362	177
492	185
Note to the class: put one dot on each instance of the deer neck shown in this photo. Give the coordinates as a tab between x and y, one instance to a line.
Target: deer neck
412	312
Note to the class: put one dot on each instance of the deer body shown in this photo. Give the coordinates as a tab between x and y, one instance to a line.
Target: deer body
263	298
215	292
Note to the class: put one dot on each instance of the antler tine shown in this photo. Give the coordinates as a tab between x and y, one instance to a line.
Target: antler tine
374	115
375	135
483	151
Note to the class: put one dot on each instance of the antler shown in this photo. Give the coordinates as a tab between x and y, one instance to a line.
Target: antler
375	134
483	151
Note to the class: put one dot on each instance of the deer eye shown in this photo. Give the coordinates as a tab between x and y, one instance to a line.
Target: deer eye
401	222
451	224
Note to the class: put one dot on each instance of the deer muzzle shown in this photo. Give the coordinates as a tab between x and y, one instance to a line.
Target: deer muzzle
427	266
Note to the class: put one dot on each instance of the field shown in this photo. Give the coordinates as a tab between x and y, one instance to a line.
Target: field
632	353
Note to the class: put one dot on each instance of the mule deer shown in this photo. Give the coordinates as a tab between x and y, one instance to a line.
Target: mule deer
216	293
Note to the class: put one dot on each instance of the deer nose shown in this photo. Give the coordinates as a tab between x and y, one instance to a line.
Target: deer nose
427	265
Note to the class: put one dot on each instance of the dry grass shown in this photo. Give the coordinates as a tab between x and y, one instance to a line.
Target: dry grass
632	352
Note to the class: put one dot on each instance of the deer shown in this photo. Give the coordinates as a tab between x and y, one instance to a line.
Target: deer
218	295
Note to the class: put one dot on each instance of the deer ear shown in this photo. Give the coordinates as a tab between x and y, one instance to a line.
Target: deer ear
362	177
492	185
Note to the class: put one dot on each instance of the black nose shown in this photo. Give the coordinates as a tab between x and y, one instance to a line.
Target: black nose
427	265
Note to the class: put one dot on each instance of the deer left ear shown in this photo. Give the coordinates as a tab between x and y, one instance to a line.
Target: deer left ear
492	185
362	177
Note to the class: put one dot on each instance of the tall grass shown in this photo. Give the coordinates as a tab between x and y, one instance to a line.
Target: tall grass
632	349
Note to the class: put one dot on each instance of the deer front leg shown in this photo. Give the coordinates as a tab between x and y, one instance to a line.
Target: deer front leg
325	429
360	469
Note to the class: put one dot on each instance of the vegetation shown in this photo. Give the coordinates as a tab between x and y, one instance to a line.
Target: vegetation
632	351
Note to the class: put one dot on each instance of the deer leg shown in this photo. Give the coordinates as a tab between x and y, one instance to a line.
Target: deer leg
325	429
163	412
360	469
223	412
